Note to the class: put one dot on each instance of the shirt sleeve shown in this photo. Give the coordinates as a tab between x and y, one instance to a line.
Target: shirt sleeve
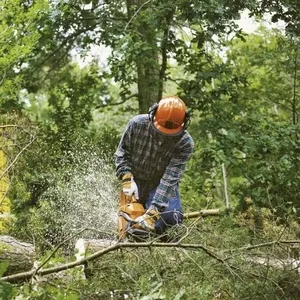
174	171
123	154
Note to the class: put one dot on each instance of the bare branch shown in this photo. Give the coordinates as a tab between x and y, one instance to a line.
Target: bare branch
57	247
9	125
202	213
136	13
27	275
267	244
117	103
65	41
17	156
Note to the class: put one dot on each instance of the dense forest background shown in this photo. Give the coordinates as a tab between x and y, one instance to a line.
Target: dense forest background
72	73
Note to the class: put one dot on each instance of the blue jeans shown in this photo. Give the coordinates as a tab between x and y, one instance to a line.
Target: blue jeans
173	213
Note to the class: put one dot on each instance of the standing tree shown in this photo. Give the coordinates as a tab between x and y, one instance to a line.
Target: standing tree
144	36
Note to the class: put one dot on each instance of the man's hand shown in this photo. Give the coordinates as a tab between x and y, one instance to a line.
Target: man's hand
129	186
147	220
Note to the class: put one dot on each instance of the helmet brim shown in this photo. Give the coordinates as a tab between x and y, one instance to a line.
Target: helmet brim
166	131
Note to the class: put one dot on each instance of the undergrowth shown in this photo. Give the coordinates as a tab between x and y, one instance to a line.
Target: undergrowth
231	258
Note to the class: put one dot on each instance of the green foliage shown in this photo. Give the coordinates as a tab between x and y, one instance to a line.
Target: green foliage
106	138
224	269
7	291
66	100
245	117
249	124
286	11
19	27
265	157
57	181
48	291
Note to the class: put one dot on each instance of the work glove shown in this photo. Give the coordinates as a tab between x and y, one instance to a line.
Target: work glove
147	220
129	186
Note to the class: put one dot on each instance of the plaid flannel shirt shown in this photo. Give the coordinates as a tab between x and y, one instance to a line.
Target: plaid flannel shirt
154	157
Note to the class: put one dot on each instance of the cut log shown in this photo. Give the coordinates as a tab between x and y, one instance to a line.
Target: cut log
20	256
84	247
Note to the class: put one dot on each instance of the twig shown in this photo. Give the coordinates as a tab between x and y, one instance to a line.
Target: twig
136	13
9	125
202	213
16	158
126	274
251	247
289	241
272	243
195	262
124	99
57	247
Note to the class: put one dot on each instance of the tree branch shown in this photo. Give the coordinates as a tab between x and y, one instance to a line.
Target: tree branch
17	156
65	41
117	103
9	125
267	244
136	13
27	275
57	247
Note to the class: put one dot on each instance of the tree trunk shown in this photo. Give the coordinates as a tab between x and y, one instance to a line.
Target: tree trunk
147	58
20	256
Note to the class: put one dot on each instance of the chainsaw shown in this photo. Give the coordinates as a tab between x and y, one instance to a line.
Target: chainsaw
129	210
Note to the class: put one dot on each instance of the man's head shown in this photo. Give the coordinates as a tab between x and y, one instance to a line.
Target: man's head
169	116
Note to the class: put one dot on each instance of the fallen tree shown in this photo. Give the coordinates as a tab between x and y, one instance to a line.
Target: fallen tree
91	250
19	256
23	276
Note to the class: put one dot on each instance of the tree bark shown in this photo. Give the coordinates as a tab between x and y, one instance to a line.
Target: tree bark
20	256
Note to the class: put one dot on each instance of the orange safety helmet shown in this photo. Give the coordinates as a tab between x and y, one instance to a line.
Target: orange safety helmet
169	116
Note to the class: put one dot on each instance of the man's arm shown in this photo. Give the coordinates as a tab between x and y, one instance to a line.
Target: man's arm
123	153
173	173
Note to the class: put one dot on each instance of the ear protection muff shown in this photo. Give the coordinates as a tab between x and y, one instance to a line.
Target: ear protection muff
186	121
151	112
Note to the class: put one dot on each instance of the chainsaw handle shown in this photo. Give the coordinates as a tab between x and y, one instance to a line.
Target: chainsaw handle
128	199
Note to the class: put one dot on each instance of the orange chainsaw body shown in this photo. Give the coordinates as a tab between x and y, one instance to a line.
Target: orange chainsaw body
129	209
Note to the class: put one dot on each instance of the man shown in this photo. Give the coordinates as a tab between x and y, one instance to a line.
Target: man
151	158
